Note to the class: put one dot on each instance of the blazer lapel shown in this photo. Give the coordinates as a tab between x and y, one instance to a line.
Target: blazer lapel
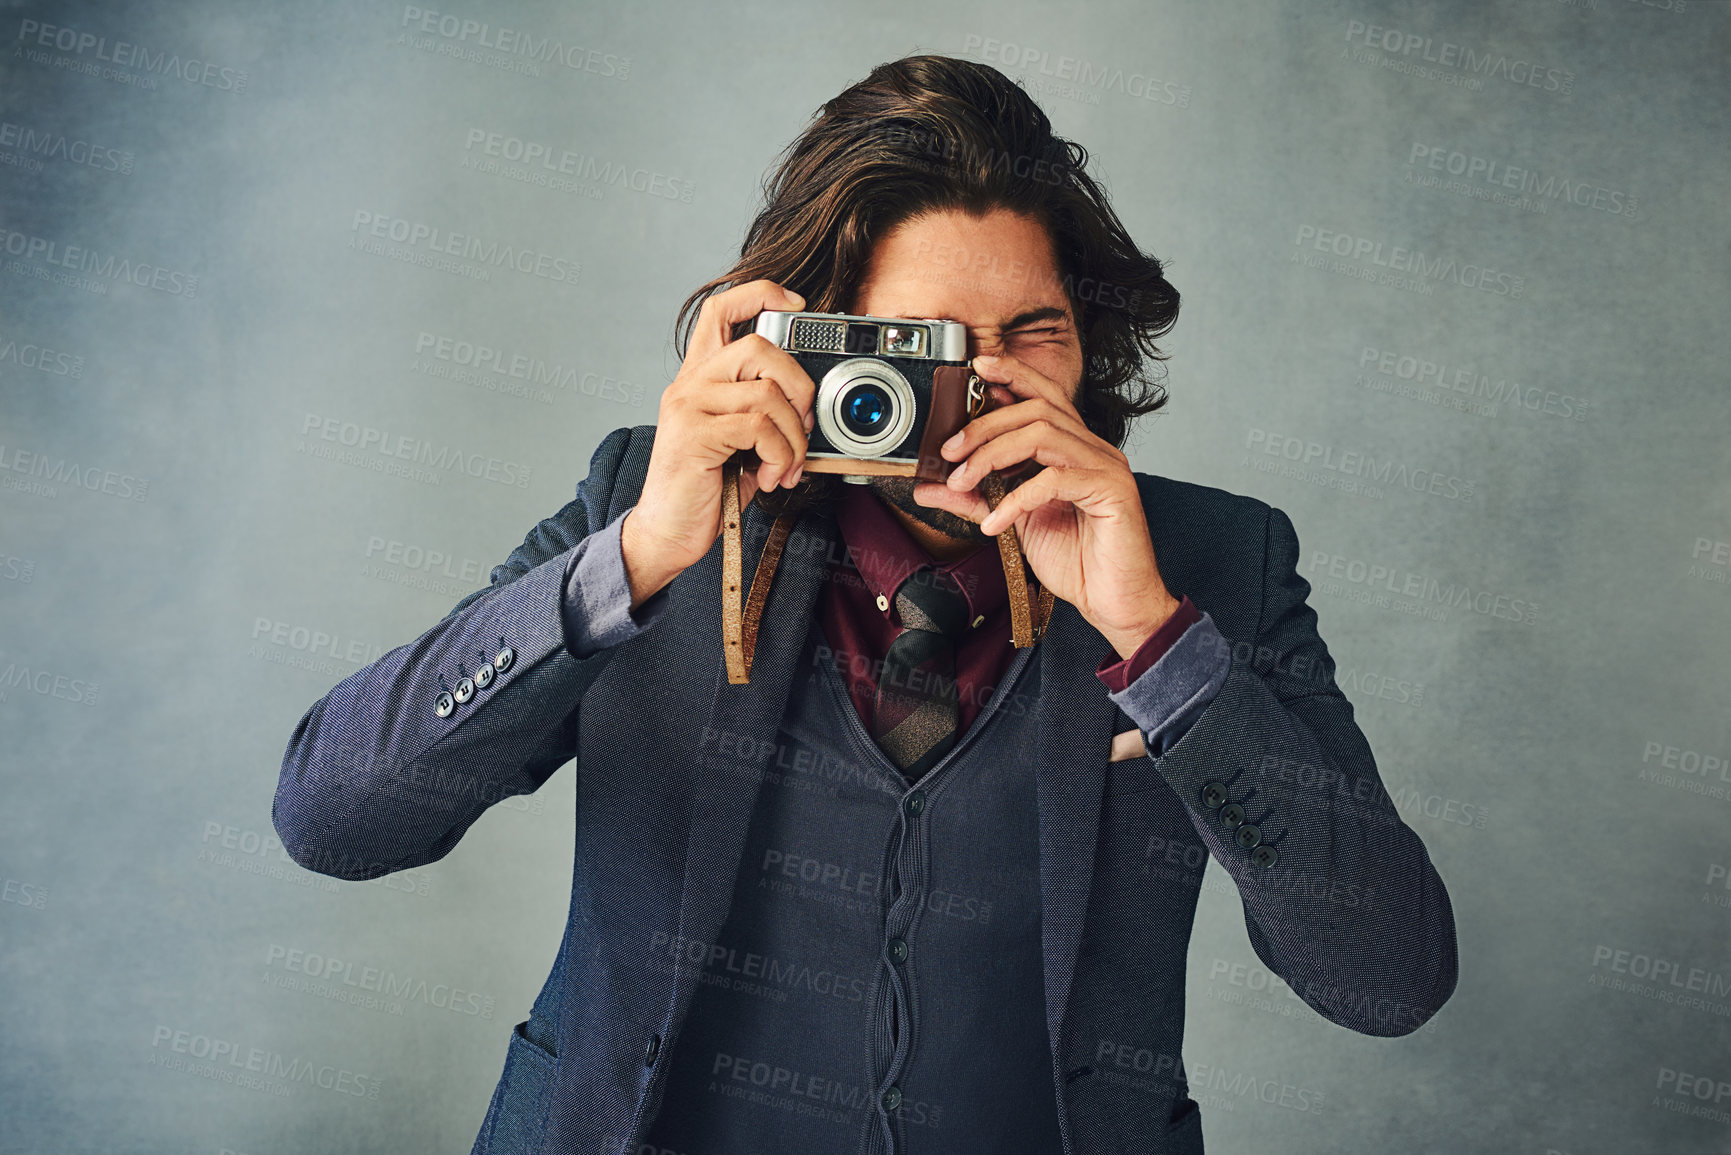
1073	736
724	791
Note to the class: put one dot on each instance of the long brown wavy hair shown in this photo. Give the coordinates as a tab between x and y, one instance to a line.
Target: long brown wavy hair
932	133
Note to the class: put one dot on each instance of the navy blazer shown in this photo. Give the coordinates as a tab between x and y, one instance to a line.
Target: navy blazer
380	775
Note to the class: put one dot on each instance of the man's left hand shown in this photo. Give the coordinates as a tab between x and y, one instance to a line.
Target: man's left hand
1079	520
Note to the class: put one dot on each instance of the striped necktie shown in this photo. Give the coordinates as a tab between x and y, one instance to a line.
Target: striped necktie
917	710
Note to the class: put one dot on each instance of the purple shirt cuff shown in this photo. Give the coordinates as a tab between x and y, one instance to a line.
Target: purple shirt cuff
596	610
1167	698
1119	674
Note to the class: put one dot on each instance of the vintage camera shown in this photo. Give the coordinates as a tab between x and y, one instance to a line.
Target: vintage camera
890	390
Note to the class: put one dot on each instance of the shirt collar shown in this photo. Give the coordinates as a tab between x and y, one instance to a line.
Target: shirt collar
885	554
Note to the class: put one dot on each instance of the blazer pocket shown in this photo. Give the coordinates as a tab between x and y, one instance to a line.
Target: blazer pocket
518	1113
1184	1132
1129	744
1128	769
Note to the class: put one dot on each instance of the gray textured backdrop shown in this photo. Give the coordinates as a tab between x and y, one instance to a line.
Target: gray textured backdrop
1461	321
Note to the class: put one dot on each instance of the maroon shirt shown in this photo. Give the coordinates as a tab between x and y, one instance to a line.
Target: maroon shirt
857	609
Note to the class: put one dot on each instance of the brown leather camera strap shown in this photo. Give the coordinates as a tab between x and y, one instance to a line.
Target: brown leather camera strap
1026	625
739	623
739	627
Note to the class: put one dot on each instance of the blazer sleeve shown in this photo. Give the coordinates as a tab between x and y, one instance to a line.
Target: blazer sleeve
384	773
1340	897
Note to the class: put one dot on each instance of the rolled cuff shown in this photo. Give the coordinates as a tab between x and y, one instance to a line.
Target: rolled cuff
1168	697
596	609
1119	674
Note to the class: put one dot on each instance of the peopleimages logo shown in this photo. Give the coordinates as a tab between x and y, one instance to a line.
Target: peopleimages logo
46	683
379	446
47	472
1667	972
228	1061
514	42
122	54
341	980
1521	180
537	374
1115	1059
1358	465
1086	75
109	266
306	639
40	145
1397	581
28	355
419	237
1399	258
1410	46
1433	380
553	160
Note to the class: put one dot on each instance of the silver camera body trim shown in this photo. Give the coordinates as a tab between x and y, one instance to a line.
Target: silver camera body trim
946	340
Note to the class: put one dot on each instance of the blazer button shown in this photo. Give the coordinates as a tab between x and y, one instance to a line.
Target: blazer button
1213	794
464	691
1248	835
1231	815
503	659
653	1049
444	704
484	676
1264	855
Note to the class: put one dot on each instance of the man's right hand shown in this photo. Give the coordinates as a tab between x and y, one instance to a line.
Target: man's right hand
728	396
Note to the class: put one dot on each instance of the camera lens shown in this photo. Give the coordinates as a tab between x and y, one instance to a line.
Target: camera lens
865	409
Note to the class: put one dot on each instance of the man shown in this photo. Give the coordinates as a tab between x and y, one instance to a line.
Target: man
910	888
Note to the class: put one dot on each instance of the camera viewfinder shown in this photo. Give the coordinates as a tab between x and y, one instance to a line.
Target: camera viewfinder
904	341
